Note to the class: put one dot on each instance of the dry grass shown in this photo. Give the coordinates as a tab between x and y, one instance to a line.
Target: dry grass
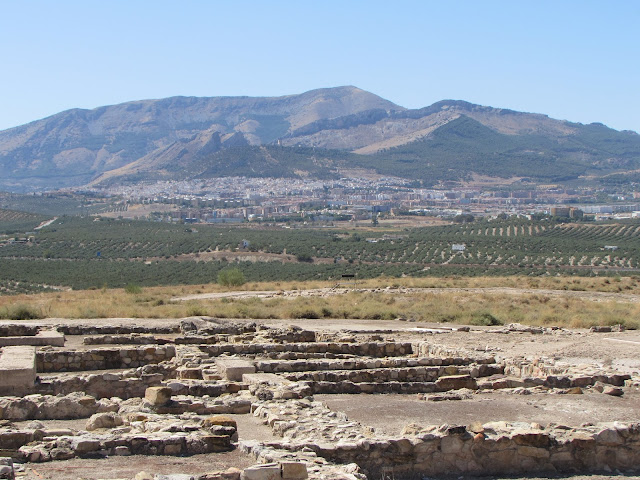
537	308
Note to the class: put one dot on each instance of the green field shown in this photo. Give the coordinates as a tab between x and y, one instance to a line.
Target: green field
81	252
18	222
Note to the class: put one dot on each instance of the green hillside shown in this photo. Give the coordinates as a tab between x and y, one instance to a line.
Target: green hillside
463	146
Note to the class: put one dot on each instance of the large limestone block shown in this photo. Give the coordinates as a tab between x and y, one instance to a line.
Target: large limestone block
264	378
42	338
233	368
455	382
231	473
17	370
222	420
267	471
294	470
158	396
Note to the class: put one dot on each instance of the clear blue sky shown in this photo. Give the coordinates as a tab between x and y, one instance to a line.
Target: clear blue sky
573	60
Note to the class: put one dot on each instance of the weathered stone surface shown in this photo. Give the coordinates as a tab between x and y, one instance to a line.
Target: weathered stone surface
269	471
233	368
294	470
231	473
158	396
104	420
17	370
221	420
43	337
613	391
455	382
7	471
102	358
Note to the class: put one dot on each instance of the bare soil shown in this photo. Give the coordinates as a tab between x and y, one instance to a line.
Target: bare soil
128	467
391	413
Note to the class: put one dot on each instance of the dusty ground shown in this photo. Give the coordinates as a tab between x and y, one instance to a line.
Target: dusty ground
391	413
128	467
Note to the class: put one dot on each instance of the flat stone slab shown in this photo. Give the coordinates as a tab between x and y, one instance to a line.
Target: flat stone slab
268	378
42	338
17	370
234	368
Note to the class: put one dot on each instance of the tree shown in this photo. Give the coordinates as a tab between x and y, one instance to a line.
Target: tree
231	277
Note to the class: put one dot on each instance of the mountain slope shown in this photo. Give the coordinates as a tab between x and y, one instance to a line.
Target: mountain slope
311	134
75	146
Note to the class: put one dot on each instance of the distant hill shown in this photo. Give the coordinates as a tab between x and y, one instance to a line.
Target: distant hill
311	134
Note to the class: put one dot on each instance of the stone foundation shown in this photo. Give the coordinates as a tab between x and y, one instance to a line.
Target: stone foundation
102	359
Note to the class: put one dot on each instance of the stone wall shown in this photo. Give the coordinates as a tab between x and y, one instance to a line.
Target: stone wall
102	359
106	385
496	448
89	445
310	365
49	407
369	349
114	329
407	374
18	330
133	339
439	351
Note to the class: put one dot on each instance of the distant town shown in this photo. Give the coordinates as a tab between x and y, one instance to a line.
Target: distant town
241	199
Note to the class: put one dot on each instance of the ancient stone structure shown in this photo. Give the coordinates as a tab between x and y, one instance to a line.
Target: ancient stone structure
174	391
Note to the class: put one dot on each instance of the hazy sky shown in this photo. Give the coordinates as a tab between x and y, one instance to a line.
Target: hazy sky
573	60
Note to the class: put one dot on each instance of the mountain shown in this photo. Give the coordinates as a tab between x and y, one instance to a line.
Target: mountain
311	134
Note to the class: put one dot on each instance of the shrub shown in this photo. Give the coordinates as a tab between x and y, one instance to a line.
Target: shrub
133	288
231	277
485	319
196	311
304	313
21	312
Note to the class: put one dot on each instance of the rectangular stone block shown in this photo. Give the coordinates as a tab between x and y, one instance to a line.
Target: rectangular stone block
17	370
265	378
294	470
233	368
455	382
42	338
268	471
158	396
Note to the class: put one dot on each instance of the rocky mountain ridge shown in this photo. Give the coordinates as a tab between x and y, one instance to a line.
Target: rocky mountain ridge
343	126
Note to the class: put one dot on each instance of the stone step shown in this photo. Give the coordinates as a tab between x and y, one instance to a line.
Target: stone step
369	349
408	374
308	365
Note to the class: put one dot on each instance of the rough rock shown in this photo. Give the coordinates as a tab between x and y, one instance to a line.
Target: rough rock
104	420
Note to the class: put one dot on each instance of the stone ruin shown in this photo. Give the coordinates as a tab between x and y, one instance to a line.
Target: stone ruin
174	391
